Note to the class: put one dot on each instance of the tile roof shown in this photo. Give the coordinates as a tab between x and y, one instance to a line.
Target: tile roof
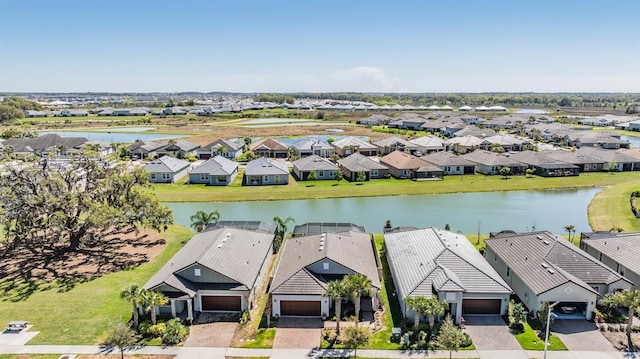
217	165
543	261
44	142
573	157
314	163
268	143
447	159
488	158
401	160
266	166
353	142
229	145
359	162
351	250
309	143
623	248
430	142
431	258
166	164
395	141
235	253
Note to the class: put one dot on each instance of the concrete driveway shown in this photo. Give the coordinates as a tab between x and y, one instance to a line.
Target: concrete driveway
581	335
490	333
298	333
217	335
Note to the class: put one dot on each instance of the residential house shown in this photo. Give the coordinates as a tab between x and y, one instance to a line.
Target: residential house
543	267
374	120
221	147
508	142
634	125
72	113
47	144
219	270
550	132
619	251
307	264
34	113
269	147
348	145
407	121
605	140
475	132
143	149
404	165
310	228
613	160
175	110
545	166
216	171
324	169
504	122
433	262
584	162
356	162
429	144
179	149
390	144
166	169
451	163
311	146
490	163
266	171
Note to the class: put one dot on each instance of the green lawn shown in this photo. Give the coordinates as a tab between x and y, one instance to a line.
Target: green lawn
180	192
611	208
529	340
263	340
81	315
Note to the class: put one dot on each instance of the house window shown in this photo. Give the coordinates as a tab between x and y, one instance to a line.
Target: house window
266	178
196	272
374	173
508	272
320	173
325	265
166	176
405	172
204	177
332	174
153	176
620	269
495	257
600	257
596	288
222	179
457	168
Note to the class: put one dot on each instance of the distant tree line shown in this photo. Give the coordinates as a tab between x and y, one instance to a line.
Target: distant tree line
275	97
12	108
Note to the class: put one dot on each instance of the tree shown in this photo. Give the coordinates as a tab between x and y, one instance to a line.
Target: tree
434	307
496	147
542	315
201	219
361	176
356	284
339	176
67	205
120	336
153	300
570	228
281	231
336	290
312	176
247	142
612	166
449	336
221	150
417	306
505	172
530	172
133	293
9	113
354	337
630	299
517	313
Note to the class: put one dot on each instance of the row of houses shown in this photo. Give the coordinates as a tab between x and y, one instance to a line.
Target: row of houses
221	269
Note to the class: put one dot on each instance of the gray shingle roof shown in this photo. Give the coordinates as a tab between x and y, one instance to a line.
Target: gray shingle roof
431	258
353	142
350	249
239	257
395	141
623	248
229	145
447	159
166	164
266	166
359	162
525	254
491	159
44	142
268	143
309	143
314	163
215	166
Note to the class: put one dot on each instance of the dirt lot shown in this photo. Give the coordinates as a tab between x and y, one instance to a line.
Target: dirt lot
619	339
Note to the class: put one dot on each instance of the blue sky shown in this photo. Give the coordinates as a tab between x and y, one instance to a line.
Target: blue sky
304	45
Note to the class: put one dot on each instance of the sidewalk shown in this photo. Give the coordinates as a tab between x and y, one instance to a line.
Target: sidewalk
221	353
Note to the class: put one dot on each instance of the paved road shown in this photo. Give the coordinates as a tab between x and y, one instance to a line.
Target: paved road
215	353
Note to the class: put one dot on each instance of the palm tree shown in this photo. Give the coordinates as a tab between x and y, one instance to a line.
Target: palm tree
630	299
281	231
201	219
133	293
357	284
417	306
434	307
336	290
570	228
153	300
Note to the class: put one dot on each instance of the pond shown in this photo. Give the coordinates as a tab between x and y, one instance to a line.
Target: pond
633	140
113	137
464	212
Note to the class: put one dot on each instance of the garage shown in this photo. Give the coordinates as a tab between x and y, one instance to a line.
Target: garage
231	303
303	308
481	306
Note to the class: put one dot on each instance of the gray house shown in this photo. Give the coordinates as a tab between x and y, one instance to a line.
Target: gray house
220	147
429	144
179	148
434	262
545	166
166	169
143	149
356	162
541	266
218	270
311	146
619	251
451	164
324	169
490	163
216	171
390	144
308	263
266	171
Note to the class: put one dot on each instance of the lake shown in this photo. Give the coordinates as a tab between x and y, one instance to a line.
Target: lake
633	140
492	211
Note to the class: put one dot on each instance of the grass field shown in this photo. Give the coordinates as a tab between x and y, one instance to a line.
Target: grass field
82	314
181	192
529	340
611	208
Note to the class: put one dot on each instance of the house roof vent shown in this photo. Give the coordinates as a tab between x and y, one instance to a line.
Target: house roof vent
545	265
539	237
545	242
551	270
220	245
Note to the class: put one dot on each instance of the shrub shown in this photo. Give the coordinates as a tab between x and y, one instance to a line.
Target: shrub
467	342
175	332
157	330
